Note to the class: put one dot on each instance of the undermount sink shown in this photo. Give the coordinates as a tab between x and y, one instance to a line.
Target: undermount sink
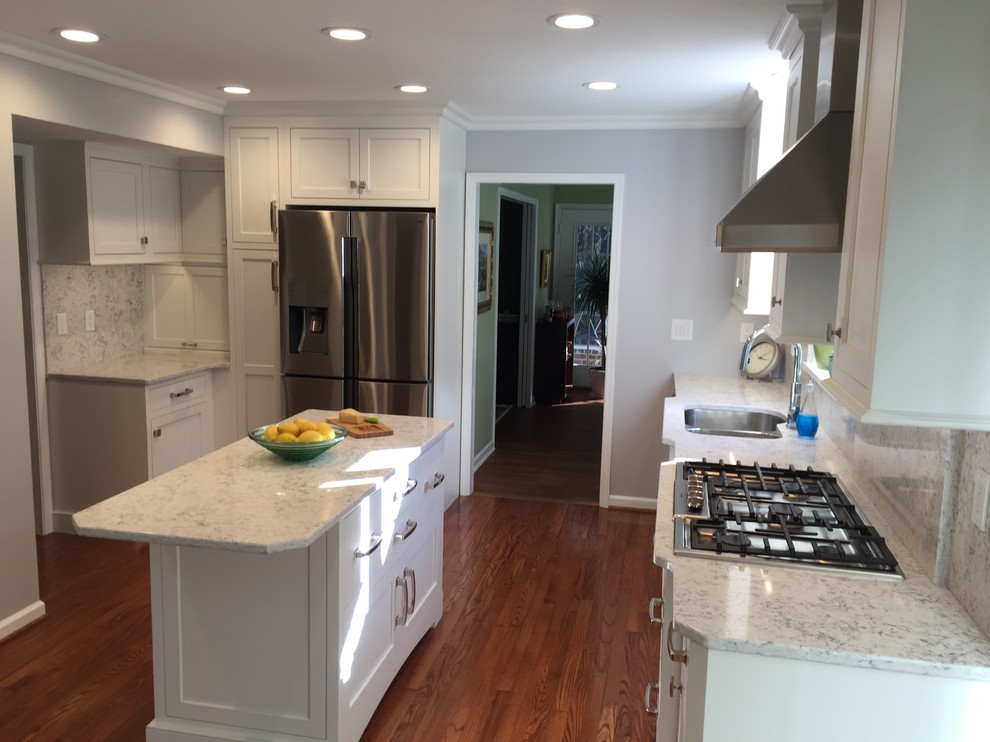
738	421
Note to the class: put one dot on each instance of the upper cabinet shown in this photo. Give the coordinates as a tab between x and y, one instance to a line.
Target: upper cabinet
204	233
253	196
364	164
104	205
915	262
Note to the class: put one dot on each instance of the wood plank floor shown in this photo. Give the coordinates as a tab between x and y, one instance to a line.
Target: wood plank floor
544	635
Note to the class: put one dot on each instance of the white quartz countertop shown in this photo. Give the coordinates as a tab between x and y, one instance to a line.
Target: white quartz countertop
143	368
752	606
245	498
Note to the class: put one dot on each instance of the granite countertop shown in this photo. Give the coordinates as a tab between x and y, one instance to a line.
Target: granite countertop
143	368
752	606
245	498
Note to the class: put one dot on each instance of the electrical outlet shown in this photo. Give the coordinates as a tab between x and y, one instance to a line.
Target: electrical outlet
681	329
62	323
90	320
745	330
981	499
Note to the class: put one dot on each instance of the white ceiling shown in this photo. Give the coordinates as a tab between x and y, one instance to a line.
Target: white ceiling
498	62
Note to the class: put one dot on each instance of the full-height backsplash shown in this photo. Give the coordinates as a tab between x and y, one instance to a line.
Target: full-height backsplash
116	295
924	481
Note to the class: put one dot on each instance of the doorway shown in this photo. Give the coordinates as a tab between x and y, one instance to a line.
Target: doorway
475	403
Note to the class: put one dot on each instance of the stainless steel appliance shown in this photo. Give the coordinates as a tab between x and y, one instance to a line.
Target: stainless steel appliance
800	518
356	305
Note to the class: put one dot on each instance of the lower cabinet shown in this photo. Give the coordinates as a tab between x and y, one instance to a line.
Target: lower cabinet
109	436
301	644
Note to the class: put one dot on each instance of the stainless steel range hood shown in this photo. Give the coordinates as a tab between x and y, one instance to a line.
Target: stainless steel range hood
799	204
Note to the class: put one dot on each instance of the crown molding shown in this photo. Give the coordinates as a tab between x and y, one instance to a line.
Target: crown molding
30	51
598	123
797	21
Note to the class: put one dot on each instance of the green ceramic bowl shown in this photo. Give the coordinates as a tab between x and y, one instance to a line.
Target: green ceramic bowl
296	451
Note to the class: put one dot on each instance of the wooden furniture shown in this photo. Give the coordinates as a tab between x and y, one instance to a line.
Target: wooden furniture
553	360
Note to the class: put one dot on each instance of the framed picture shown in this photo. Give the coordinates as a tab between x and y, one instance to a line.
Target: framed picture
545	262
486	265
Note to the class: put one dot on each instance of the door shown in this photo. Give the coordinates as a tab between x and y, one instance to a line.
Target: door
311	304
178	438
253	159
117	203
393	295
510	304
581	231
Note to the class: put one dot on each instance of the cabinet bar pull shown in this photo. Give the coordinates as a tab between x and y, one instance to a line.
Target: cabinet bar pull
401	582
376	541
144	240
654	604
411	574
677	655
273	219
437	481
831	333
410	529
410	487
652	709
275	276
184	393
190	345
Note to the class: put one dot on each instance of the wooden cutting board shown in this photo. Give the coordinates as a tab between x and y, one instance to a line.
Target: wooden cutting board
362	430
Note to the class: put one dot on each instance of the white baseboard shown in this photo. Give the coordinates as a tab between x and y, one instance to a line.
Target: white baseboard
22	618
482	457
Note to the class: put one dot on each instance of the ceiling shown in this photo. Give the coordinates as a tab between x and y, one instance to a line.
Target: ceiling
495	62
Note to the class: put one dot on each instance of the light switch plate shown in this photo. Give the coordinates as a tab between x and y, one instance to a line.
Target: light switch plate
681	329
90	320
981	499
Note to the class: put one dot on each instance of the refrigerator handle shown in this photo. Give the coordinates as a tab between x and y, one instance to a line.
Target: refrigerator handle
349	249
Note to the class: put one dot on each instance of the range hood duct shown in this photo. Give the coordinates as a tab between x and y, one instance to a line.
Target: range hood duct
799	205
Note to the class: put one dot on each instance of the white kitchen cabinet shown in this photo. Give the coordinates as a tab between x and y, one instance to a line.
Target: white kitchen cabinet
204	230
108	436
163	219
915	259
186	307
379	164
252	193
255	336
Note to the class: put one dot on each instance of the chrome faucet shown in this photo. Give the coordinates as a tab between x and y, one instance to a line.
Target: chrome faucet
795	403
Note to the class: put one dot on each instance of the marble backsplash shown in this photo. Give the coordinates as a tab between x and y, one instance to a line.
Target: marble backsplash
924	482
116	295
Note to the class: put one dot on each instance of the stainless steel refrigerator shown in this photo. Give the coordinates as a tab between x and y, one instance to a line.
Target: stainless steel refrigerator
356	305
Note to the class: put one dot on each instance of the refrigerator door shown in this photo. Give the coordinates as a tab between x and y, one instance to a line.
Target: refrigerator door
395	398
307	392
311	299
393	255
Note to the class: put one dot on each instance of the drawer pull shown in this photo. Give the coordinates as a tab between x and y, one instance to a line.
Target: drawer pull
652	709
401	582
411	575
677	655
437	481
376	541
184	393
190	345
410	529
410	487
652	612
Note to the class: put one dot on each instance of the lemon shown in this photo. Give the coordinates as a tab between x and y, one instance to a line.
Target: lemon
290	428
326	431
304	424
286	438
310	436
271	432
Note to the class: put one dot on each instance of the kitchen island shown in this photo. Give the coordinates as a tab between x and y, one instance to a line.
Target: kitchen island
767	644
286	595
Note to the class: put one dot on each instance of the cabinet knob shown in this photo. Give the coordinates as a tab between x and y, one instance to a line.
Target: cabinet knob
354	185
831	333
673	687
144	240
157	433
774	301
362	185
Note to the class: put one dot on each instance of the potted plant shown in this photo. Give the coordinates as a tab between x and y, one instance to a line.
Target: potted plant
591	294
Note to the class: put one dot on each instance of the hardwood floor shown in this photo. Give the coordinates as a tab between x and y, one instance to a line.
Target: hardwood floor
544	636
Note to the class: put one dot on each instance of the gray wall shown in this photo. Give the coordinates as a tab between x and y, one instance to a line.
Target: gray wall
677	185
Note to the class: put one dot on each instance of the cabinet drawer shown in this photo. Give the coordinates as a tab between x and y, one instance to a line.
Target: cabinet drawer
364	546
179	392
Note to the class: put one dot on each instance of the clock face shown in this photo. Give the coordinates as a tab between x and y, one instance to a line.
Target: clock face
763	359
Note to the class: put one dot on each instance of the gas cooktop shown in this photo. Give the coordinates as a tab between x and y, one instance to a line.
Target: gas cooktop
799	518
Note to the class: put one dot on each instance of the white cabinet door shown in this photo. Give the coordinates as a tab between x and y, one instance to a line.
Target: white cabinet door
255	359
252	156
116	194
204	231
324	163
804	296
186	307
179	437
163	221
165	306
395	164
208	323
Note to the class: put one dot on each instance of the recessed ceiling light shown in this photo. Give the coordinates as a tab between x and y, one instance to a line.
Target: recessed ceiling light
77	34
346	33
573	21
601	85
236	89
413	88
